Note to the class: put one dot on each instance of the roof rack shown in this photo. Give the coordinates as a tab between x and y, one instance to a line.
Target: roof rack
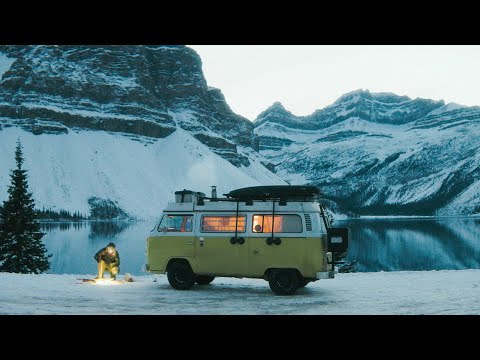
283	192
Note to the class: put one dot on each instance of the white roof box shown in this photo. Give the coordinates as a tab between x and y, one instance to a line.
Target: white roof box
187	196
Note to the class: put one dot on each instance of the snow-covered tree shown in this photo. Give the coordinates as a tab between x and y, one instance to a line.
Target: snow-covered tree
21	246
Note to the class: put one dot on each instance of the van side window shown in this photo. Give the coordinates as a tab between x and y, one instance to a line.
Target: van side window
222	223
176	223
282	224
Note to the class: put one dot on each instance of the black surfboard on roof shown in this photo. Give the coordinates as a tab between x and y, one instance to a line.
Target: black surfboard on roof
284	192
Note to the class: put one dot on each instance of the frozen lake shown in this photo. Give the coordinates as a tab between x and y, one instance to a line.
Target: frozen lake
376	244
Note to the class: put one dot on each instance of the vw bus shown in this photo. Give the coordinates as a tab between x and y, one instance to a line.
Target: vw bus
277	233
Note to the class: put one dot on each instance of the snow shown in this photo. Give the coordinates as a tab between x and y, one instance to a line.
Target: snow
424	154
448	107
142	176
5	64
468	199
75	111
422	292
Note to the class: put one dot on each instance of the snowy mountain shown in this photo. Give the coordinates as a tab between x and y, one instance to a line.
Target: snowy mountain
129	125
121	124
380	154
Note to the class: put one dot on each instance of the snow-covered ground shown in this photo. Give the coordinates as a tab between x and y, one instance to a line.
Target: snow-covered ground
423	292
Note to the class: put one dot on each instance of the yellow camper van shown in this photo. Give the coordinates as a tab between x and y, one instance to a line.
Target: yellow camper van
276	233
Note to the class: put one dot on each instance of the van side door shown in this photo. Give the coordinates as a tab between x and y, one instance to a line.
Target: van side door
217	251
285	250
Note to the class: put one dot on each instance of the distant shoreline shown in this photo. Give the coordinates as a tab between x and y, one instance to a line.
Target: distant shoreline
394	217
87	220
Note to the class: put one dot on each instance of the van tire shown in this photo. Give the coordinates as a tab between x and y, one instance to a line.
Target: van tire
180	275
283	281
204	279
303	283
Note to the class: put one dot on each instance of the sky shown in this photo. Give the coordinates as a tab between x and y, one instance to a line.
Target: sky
305	78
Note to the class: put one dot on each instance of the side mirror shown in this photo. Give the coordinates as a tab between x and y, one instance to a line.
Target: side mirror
337	239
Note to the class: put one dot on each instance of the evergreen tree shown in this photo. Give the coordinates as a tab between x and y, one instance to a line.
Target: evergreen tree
21	246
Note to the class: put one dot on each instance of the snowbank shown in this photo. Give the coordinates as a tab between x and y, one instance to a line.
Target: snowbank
424	292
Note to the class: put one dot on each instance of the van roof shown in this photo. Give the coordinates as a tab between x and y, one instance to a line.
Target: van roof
231	207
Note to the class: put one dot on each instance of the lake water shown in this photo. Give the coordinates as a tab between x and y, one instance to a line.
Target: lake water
376	244
74	244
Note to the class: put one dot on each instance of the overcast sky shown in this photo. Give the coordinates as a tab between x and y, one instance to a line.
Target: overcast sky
306	78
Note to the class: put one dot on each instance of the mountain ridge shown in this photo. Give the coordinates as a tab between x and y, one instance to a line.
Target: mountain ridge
380	153
371	153
81	109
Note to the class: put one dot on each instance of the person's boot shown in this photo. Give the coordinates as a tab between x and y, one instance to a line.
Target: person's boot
113	273
100	271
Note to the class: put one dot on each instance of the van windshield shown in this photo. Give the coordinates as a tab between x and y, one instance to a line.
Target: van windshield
176	223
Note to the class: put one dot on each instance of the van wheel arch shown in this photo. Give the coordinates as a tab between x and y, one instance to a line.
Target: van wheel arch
268	272
174	260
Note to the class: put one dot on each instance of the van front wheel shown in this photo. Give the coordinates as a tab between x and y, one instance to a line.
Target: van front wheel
283	281
204	279
180	275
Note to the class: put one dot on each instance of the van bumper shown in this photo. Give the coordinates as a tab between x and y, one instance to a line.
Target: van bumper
325	275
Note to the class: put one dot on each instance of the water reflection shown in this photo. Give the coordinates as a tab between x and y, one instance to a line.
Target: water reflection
63	226
414	244
376	244
106	230
74	244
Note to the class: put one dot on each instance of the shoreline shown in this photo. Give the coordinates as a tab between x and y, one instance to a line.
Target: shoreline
395	217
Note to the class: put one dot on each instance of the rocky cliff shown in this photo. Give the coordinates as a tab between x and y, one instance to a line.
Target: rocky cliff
132	90
123	125
380	154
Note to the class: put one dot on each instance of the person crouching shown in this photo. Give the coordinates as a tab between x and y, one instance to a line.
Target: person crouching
108	259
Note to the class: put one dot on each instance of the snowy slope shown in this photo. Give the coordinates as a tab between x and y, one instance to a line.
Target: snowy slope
5	64
402	292
380	154
128	89
140	174
129	124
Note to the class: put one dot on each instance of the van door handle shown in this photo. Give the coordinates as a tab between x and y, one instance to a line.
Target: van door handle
255	251
201	240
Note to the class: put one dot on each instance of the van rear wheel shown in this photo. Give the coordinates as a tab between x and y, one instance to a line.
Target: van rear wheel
283	281
303	283
204	279
180	275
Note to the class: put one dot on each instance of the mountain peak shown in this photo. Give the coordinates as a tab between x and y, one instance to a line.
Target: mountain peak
277	106
276	111
146	90
383	97
353	95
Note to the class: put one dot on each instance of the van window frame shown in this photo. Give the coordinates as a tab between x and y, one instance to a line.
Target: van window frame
278	232
177	232
223	232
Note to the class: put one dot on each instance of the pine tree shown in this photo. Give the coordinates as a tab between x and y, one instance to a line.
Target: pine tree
21	246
